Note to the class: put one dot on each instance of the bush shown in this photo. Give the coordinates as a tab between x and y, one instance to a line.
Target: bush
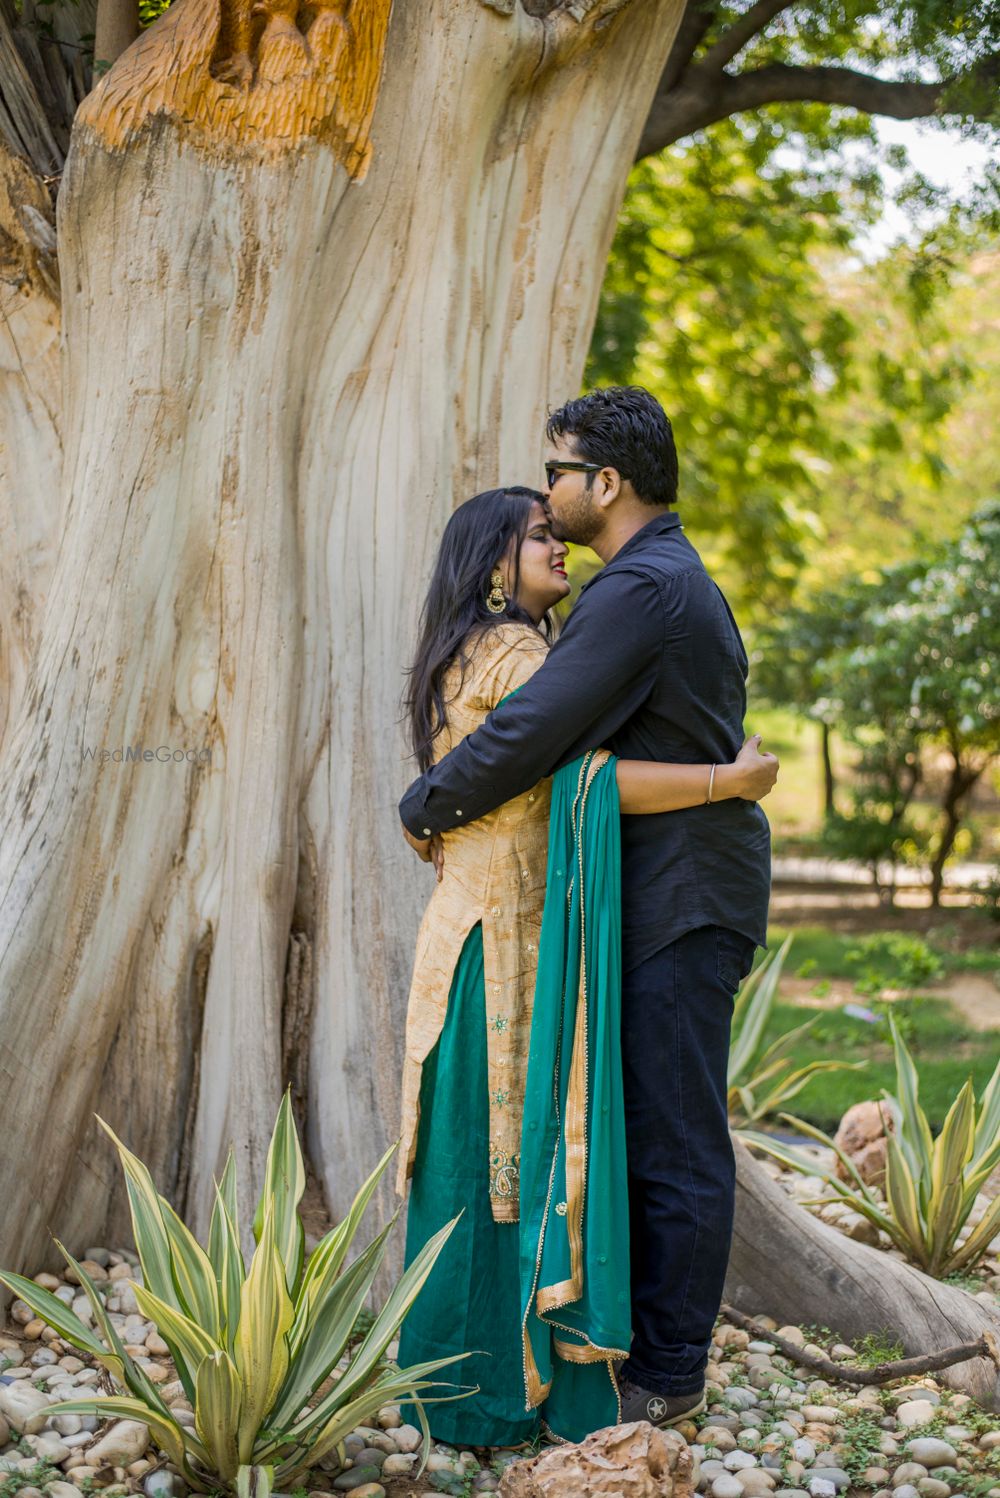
931	1184
251	1347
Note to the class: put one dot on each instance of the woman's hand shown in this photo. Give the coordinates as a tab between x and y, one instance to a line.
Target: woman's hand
429	850
753	773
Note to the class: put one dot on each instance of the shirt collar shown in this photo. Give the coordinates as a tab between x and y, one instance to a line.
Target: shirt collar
658	526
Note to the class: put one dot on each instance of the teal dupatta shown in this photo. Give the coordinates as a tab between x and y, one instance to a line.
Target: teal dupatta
574	1246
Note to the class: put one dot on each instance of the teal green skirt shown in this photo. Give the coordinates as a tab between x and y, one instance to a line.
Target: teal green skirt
471	1301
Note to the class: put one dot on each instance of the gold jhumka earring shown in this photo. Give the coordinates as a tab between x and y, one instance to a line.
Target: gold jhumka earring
496	600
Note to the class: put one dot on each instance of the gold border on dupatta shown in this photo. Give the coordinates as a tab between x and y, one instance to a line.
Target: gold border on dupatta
548	1298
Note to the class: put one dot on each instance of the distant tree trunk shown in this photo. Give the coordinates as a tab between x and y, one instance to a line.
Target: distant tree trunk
961	779
787	1264
117	28
829	807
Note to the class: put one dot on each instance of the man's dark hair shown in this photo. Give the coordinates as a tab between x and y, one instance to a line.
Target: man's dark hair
626	428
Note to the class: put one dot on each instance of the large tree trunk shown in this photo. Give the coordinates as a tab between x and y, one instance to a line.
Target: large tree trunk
787	1264
278	379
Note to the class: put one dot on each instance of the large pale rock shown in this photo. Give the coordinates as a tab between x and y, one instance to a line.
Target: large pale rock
861	1135
23	1407
124	1443
623	1461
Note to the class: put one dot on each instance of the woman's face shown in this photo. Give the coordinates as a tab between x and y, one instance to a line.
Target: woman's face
542	580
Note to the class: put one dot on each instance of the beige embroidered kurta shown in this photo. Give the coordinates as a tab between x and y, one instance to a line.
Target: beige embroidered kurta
494	873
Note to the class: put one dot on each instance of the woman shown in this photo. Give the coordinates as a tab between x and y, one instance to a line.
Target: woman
544	1305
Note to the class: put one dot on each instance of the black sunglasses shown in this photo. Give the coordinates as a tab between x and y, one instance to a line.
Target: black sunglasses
553	470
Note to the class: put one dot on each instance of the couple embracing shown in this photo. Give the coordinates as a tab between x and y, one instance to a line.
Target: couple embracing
603	878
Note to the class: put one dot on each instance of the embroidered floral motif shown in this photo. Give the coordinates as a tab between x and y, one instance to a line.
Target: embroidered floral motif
561	1208
501	1098
505	1172
499	1023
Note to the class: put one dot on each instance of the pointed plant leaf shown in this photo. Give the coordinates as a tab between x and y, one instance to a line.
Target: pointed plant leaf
261	1351
151	1240
218	1399
284	1184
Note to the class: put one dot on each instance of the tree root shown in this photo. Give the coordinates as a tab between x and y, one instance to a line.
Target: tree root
987	1346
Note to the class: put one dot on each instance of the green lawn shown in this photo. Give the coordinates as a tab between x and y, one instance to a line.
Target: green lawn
945	1047
945	1051
819	952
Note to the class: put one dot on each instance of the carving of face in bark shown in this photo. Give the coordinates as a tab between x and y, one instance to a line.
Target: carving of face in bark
573	497
541	571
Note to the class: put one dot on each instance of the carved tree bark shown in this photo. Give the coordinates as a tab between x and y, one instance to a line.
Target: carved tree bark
787	1264
321	275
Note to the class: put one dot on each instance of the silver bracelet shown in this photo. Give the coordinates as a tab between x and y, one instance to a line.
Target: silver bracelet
711	784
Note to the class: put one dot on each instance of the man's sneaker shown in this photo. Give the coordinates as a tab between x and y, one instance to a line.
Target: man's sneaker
659	1409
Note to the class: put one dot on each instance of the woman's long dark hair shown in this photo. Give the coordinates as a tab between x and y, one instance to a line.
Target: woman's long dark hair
454	615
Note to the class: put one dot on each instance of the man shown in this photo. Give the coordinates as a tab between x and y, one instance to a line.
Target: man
650	665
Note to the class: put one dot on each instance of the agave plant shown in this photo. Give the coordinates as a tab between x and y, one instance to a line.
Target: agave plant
253	1347
760	1081
931	1184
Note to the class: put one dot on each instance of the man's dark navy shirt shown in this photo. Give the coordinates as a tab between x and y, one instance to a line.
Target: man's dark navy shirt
649	665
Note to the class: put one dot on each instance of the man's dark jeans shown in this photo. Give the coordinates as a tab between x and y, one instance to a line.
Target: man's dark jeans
676	1012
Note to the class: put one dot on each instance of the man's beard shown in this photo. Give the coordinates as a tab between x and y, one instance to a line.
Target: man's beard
578	522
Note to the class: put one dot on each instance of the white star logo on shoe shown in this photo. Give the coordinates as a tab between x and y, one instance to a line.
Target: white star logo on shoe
656	1409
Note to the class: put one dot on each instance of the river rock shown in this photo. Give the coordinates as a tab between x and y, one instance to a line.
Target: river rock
836	1475
371	1456
125	1442
915	1412
820	1488
628	1461
803	1450
734	1461
23	1407
50	1447
407	1438
164	1484
929	1451
820	1414
63	1490
726	1486
369	1490
755	1482
398	1465
933	1487
389	1417
356	1477
908	1472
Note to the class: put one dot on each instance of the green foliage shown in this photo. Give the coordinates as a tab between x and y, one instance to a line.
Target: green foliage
876	1348
902	664
252	1345
893	959
764	1078
931	1184
713	300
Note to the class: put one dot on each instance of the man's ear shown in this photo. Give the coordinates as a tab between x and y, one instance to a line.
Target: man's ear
607	486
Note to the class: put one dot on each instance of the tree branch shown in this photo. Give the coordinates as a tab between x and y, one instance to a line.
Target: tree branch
695	22
885	1373
702	98
749	25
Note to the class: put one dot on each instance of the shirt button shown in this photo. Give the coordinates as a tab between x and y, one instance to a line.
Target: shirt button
497	988
531	796
602	1258
427	832
524	873
457	812
494	910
